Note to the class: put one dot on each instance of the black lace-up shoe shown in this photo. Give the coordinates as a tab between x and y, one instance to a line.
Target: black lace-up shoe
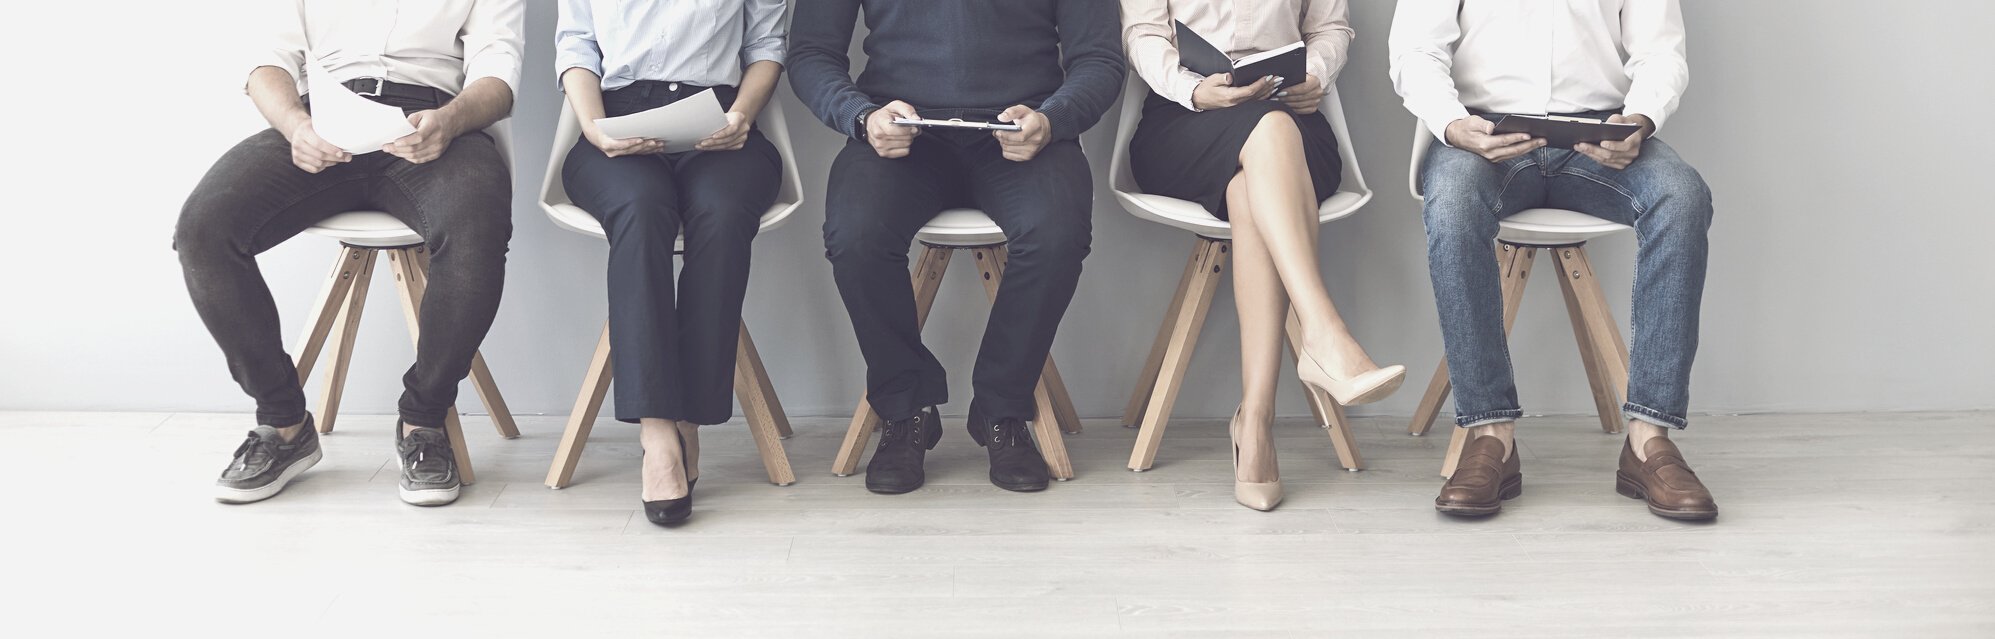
1015	461
429	467
264	463
896	465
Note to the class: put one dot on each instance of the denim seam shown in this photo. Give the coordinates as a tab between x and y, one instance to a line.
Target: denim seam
1588	176
1653	416
1488	417
1496	209
422	215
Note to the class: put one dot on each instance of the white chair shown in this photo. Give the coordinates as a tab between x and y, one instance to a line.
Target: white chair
948	232
1170	354
363	237
1564	233
766	421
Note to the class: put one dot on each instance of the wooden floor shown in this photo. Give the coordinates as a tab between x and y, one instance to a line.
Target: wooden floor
1834	525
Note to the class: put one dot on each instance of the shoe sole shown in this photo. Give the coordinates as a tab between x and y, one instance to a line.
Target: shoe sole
1511	490
891	490
1379	392
428	497
1631	489
1029	487
228	495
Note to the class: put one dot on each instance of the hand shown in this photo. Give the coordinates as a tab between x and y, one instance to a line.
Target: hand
435	129
1033	133
1303	98
1618	155
729	138
1478	136
1216	91
312	153
888	139
619	147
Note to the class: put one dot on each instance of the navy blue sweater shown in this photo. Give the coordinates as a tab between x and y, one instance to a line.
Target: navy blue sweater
1060	57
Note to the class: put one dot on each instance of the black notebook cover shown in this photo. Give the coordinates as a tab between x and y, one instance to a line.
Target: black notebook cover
1564	133
1198	55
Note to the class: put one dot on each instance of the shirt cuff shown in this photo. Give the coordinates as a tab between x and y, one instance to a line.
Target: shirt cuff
1655	113
847	116
770	53
1061	119
588	61
1186	85
503	66
1438	118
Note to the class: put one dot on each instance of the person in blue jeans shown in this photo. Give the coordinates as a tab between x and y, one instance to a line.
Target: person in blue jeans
1458	65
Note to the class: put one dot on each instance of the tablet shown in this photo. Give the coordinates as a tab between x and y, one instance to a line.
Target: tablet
958	123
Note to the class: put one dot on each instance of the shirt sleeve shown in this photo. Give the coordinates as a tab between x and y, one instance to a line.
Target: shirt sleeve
1091	54
1652	34
820	71
575	44
763	37
1147	30
1420	50
1326	32
492	42
287	47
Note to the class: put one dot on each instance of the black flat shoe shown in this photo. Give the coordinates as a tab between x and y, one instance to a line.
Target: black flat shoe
668	512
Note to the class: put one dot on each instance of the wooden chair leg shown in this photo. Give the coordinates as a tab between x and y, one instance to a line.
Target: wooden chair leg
765	414
348	326
1190	319
1515	276
1604	402
481	375
345	271
582	418
1146	380
1046	421
926	278
408	280
1328	412
1610	352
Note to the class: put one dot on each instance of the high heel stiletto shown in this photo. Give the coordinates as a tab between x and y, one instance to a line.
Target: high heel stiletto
1367	387
667	512
1262	496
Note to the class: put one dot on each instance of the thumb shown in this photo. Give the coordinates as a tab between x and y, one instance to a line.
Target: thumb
901	109
1617	119
1015	113
1480	125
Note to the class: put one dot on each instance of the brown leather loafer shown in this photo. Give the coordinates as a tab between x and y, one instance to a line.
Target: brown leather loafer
1483	479
1665	481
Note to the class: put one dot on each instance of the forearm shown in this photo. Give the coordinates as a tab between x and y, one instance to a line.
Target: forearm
482	104
275	94
758	83
585	95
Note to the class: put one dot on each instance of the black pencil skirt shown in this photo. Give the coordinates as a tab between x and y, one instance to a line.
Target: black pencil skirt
1192	155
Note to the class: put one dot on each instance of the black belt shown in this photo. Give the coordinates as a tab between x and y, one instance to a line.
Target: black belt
397	90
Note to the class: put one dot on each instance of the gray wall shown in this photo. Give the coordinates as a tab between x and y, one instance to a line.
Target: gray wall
1844	147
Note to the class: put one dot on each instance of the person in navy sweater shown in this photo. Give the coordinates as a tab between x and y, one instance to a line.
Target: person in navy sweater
1051	66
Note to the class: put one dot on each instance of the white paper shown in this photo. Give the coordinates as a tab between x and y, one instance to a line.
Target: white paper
347	120
680	124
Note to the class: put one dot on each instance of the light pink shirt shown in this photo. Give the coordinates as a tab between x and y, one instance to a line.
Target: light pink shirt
1239	28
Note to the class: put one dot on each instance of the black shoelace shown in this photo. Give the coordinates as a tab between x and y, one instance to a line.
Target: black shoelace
425	445
254	449
1008	434
907	429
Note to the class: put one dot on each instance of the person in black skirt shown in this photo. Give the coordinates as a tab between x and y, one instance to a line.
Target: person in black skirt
1262	158
674	351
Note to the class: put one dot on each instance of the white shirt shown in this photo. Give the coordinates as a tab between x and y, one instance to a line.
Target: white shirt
1239	28
442	44
1537	56
699	42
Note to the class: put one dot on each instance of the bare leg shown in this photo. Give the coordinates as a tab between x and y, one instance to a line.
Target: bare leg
1282	214
1263	308
664	462
689	436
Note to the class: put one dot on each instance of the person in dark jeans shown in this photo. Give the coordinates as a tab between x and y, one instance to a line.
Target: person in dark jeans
1053	67
447	181
674	342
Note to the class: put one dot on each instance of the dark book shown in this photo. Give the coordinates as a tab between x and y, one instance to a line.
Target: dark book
1291	62
1562	132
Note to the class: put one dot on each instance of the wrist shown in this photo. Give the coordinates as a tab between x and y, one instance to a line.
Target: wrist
865	117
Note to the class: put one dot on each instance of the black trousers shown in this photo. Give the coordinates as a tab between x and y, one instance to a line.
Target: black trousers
674	358
874	206
254	198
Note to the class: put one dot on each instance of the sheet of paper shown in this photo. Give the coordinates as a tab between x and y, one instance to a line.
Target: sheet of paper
347	120
680	124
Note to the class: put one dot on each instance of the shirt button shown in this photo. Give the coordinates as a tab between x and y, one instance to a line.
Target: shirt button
673	86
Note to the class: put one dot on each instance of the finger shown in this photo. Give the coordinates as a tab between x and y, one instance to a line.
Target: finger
1595	153
1505	152
1015	113
1480	125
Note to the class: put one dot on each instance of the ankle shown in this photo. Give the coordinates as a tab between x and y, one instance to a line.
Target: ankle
1639	434
410	429
1505	432
289	433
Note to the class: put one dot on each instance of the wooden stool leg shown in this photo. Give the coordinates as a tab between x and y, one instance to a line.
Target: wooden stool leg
1190	319
1146	380
481	375
1514	278
408	279
582	418
345	271
926	278
765	414
348	325
1328	412
1046	422
1610	352
1604	402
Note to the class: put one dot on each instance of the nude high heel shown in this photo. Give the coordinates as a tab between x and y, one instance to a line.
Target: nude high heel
1367	387
1258	496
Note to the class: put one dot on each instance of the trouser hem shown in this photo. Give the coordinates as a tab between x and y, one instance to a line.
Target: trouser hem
1653	416
1486	418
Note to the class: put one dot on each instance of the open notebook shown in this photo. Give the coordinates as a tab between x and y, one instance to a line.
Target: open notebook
1290	63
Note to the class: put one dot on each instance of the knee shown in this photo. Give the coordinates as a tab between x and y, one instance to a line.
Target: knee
202	228
483	232
1065	240
1682	201
852	237
1276	129
1451	220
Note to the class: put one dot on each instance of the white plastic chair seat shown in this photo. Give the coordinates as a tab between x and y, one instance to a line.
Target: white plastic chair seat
1190	216
371	229
1537	227
961	227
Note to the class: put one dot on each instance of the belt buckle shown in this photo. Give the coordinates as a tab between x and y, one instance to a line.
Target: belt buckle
379	85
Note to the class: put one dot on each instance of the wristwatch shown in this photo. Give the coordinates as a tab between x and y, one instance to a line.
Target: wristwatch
860	124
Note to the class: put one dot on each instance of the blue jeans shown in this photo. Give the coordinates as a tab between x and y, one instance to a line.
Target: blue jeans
1661	196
